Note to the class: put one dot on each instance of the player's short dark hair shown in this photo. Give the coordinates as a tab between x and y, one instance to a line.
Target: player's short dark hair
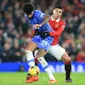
28	8
59	6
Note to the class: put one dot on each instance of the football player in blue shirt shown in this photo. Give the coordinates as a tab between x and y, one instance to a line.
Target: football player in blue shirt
39	21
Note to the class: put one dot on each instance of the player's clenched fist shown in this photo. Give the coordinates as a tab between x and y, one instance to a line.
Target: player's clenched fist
36	26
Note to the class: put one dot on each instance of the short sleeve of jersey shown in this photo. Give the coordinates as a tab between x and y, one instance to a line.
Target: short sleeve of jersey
26	16
39	14
63	25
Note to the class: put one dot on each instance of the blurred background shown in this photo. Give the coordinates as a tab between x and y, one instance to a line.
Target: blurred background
12	20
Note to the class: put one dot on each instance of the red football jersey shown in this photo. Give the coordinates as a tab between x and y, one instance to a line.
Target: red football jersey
58	27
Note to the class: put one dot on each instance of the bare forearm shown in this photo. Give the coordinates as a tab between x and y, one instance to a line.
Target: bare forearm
45	20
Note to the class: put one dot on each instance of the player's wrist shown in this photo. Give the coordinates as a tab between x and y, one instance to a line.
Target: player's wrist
41	24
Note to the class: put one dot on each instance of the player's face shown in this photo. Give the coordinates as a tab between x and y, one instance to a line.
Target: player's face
30	15
57	13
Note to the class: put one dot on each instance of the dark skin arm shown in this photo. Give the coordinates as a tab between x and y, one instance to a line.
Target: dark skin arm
45	20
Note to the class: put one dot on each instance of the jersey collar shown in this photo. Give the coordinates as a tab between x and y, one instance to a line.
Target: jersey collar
57	20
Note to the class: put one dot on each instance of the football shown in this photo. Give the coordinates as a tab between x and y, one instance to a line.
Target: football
34	70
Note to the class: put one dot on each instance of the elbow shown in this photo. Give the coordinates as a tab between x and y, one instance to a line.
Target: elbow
47	17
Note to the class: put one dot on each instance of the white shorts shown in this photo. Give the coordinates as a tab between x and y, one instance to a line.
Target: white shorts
57	51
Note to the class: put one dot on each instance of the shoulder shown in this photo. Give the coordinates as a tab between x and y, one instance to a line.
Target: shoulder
39	14
37	11
25	15
62	21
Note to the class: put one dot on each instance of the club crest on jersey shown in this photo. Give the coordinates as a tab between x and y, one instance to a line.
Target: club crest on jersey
56	26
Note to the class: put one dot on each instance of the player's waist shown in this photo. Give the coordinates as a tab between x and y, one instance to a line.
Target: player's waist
55	41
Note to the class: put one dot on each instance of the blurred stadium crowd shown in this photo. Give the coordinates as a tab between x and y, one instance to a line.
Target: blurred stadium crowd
12	20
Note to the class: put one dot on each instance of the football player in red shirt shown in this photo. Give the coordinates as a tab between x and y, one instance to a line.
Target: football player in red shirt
58	25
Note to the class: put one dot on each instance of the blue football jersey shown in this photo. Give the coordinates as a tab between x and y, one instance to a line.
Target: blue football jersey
37	18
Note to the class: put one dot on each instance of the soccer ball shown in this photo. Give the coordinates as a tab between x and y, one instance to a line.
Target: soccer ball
34	70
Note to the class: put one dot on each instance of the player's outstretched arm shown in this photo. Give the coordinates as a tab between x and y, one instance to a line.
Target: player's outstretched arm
45	20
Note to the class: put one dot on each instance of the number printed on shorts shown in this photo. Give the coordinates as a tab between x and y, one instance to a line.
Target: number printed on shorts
44	43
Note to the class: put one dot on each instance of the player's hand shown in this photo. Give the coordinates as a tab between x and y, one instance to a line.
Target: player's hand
36	26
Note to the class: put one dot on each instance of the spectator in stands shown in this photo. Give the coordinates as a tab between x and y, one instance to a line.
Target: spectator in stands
16	55
81	56
7	51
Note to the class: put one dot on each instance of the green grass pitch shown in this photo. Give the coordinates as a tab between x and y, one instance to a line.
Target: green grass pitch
18	78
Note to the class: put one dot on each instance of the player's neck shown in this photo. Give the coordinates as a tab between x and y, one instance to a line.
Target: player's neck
54	18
